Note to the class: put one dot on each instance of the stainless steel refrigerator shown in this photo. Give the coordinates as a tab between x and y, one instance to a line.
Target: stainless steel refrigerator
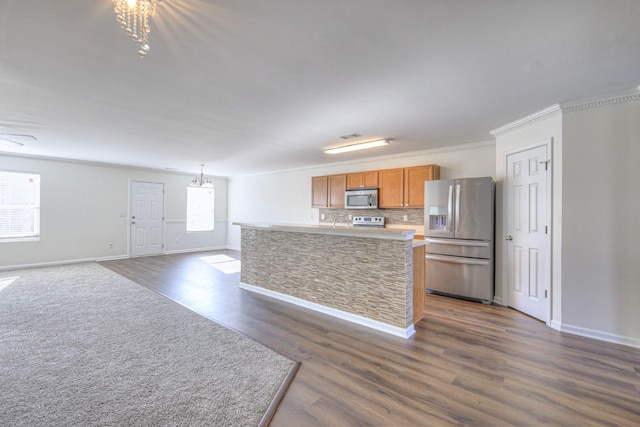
459	234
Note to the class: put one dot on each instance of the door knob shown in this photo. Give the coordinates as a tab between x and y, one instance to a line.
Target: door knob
508	238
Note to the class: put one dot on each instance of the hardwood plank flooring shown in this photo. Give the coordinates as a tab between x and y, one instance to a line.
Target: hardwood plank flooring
467	364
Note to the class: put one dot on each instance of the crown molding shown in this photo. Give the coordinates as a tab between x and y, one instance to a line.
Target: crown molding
103	164
376	158
548	112
571	106
599	101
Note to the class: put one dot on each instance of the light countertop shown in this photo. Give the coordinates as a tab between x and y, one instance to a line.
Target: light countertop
419	242
339	230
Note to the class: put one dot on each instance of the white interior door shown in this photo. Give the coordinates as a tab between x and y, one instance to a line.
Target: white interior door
527	237
147	218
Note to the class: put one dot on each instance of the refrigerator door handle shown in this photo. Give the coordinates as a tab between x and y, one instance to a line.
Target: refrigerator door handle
455	260
450	208
482	244
457	208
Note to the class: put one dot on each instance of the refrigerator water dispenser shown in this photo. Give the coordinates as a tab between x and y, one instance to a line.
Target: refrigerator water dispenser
438	218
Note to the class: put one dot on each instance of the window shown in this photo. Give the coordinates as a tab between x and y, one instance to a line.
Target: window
200	209
19	206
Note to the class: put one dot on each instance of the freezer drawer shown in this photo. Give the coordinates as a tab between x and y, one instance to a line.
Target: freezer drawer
464	277
460	248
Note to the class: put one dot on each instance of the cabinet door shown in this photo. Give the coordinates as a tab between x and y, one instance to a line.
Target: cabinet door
391	193
370	179
337	187
319	191
414	178
355	180
362	179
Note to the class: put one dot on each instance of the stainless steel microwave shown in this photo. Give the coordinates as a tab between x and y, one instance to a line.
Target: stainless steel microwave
361	198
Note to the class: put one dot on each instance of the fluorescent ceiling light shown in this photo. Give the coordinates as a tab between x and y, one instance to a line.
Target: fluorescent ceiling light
360	146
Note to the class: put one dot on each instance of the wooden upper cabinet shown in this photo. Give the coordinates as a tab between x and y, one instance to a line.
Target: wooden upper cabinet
404	187
337	187
397	188
414	178
319	191
391	192
362	179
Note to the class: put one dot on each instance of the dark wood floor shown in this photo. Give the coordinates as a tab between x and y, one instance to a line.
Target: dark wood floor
467	364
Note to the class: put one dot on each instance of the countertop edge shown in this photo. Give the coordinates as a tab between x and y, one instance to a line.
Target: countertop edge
419	242
378	233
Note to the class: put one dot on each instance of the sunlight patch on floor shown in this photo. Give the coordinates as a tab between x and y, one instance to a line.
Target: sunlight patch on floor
6	281
223	263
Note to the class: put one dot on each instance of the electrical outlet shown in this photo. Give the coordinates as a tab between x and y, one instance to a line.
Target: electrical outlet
310	216
110	245
405	218
322	217
350	217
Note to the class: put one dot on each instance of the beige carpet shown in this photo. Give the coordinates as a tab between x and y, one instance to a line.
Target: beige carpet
83	346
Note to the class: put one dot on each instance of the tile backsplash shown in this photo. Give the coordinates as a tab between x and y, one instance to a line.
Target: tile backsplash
415	216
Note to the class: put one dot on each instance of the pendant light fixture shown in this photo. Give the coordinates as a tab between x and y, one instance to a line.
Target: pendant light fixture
133	16
201	181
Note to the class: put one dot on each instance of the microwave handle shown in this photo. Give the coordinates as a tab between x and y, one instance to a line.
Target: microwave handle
370	200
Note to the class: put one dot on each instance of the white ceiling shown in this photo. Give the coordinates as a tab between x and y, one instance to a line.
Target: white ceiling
250	86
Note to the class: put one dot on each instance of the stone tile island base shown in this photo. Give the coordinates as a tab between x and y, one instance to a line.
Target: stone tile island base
363	276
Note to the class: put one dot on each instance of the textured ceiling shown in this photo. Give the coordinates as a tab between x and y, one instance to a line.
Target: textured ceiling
251	86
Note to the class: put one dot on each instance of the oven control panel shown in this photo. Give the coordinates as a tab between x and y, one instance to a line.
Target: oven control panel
368	221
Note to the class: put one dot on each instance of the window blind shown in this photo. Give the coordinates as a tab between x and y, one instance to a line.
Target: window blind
200	209
19	205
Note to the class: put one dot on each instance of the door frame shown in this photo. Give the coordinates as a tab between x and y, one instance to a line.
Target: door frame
548	142
128	218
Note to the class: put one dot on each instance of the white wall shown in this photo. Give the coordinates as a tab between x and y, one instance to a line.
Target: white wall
601	236
596	206
286	197
84	207
532	133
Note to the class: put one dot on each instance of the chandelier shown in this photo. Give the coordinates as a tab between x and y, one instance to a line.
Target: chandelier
201	181
133	16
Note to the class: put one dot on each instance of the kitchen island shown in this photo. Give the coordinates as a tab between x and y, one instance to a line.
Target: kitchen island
355	273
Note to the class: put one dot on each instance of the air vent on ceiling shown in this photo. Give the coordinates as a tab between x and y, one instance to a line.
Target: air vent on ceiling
351	136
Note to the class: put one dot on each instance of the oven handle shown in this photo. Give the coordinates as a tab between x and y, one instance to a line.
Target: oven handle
455	260
457	243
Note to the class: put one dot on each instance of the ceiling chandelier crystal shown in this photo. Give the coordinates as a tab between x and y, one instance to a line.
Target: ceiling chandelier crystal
201	181
133	16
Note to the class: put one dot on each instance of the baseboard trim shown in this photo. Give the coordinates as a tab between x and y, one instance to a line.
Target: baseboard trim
65	262
106	258
600	335
185	251
350	317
